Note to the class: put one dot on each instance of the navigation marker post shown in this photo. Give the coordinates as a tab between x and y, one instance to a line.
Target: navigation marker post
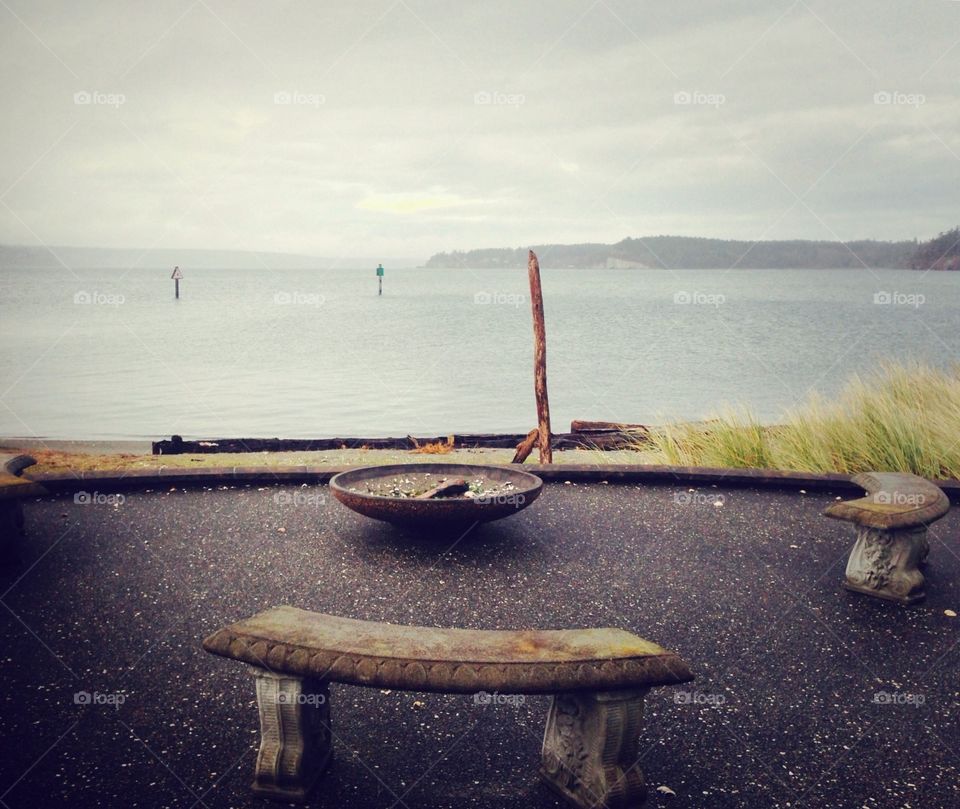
380	278
176	276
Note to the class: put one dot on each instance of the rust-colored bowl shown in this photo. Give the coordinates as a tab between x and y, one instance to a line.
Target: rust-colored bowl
350	488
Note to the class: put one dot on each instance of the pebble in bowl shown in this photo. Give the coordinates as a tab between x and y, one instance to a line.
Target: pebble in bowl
434	495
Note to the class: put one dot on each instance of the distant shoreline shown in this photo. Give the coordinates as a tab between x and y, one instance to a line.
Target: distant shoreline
678	269
696	253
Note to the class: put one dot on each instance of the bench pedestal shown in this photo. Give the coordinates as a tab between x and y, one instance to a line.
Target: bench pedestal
883	563
295	739
590	748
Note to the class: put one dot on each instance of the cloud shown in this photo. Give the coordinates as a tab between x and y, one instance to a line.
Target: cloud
314	129
413	203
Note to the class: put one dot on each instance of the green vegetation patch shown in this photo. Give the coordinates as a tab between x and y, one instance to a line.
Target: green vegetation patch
902	418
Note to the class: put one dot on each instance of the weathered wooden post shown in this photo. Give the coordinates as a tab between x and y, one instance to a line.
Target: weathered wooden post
539	359
177	275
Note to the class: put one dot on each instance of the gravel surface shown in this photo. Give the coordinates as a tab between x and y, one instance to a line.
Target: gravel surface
112	599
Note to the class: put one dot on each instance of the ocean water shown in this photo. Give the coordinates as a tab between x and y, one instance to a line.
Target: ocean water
110	354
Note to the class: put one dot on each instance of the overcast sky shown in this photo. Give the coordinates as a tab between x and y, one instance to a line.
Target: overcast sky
408	127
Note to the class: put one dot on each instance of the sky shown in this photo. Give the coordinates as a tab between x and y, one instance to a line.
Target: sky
406	127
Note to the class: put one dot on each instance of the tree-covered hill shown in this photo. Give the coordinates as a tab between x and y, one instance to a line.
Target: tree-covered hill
686	252
940	253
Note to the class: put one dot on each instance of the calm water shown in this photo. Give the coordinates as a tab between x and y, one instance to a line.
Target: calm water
103	354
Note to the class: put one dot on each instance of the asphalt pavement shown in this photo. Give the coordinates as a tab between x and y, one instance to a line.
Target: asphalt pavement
806	695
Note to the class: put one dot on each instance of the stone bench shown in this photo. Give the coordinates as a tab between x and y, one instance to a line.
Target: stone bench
598	679
891	540
12	489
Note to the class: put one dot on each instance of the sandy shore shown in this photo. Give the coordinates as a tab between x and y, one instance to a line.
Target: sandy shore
63	456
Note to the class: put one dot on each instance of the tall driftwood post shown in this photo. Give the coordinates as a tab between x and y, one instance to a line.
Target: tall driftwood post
539	359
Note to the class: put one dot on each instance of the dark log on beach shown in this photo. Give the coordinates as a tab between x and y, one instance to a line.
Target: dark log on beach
213	445
525	447
539	359
451	488
613	439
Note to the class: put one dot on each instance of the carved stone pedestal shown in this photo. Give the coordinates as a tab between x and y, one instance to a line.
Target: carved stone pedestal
590	748
883	563
295	740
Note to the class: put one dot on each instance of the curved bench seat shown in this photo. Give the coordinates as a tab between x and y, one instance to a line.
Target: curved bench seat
891	540
598	679
414	658
894	500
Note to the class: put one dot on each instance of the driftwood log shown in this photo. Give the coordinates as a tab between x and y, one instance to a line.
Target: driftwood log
539	359
601	439
635	430
583	426
525	447
449	488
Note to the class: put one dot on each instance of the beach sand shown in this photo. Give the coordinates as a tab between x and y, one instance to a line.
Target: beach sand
78	456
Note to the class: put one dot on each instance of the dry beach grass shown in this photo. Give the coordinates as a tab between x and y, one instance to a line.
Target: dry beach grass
903	418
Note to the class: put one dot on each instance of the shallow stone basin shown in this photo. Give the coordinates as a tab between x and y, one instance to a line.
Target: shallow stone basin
388	493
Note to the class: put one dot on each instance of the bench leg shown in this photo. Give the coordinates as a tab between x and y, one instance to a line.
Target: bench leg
590	748
884	564
295	740
11	530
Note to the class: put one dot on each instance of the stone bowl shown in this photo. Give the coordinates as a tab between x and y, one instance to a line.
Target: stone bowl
512	491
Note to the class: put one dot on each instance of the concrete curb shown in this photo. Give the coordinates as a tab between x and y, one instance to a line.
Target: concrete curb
575	473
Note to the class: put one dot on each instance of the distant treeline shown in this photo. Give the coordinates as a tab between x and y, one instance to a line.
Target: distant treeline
941	253
686	252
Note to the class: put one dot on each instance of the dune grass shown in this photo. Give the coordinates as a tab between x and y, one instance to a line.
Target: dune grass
903	418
